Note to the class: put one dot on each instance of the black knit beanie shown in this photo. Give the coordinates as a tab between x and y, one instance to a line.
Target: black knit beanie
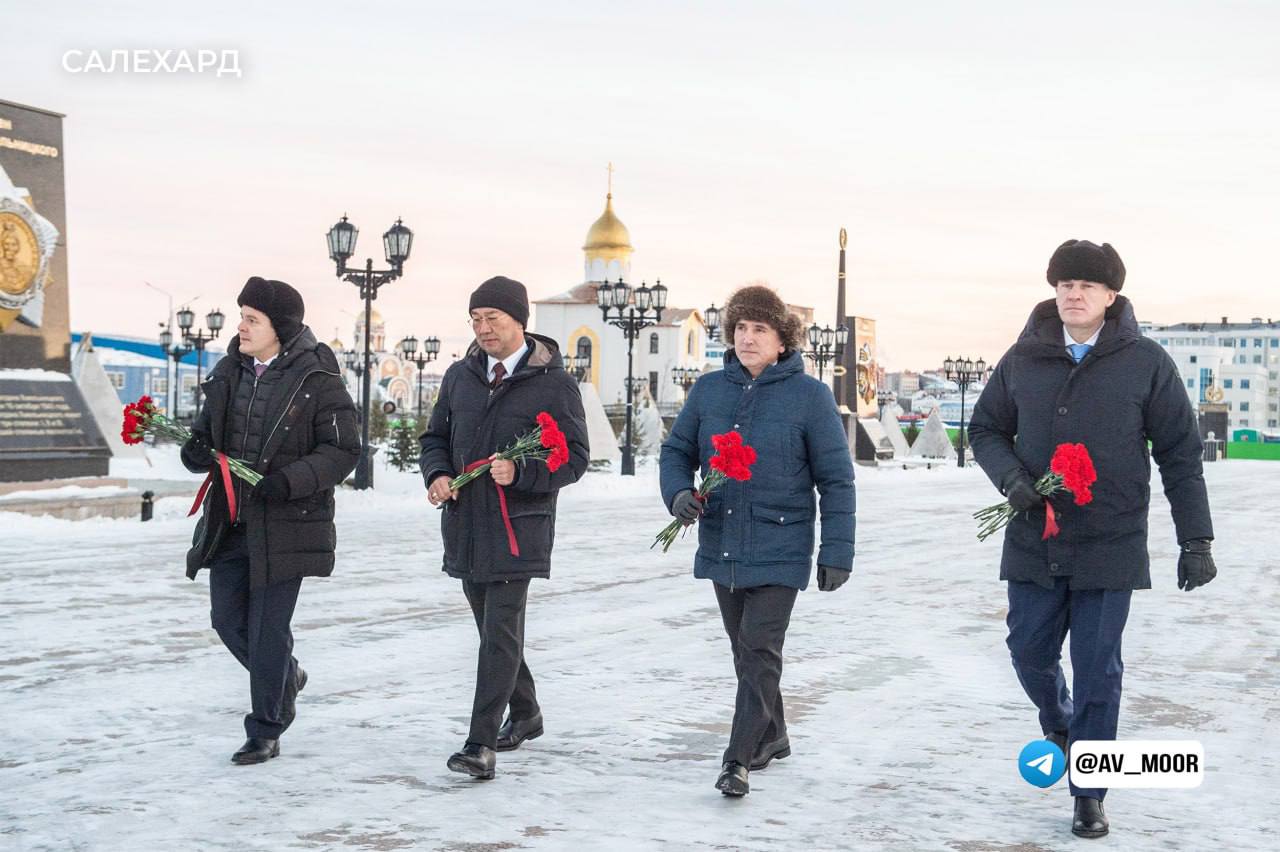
1081	260
281	303
505	294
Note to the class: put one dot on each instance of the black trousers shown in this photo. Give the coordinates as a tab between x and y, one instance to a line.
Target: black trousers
1039	620
502	677
756	620
254	625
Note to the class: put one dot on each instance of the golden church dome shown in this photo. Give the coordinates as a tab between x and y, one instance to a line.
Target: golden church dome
608	234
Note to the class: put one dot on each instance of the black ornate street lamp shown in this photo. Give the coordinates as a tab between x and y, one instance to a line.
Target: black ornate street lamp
579	366
396	243
684	377
176	352
711	318
198	338
633	309
964	372
430	349
826	345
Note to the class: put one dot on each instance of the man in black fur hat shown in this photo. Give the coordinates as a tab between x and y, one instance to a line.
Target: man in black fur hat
1081	372
276	401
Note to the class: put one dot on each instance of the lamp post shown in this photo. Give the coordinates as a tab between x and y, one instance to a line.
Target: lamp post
711	316
176	352
351	358
632	309
963	372
684	377
430	349
579	366
396	242
198	338
826	345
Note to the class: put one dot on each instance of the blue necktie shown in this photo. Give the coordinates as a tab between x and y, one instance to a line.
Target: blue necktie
1078	351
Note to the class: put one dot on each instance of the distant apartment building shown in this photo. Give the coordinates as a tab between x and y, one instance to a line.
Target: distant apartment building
1235	363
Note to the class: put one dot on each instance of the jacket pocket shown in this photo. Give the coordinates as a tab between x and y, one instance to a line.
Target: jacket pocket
535	532
781	534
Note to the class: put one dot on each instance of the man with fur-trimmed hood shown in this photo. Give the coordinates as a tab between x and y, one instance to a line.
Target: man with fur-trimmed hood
1081	372
756	537
487	400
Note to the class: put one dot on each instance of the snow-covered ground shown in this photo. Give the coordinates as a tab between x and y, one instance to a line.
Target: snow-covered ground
121	708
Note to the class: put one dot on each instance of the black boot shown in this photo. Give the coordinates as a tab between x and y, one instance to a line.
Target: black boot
733	780
769	752
1090	819
290	711
1058	738
513	733
475	760
256	750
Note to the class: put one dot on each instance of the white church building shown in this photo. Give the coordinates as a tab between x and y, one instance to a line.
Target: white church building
574	320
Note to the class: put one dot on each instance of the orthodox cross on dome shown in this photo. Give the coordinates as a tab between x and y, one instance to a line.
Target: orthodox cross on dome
611	179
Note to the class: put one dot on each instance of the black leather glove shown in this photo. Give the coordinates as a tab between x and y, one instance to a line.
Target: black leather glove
198	451
830	579
1020	490
1195	564
272	487
687	507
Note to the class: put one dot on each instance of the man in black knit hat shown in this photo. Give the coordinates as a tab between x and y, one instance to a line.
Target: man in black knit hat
276	401
1081	372
487	400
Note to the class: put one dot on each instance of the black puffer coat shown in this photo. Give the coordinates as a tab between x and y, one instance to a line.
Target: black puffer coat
1125	393
303	426
470	423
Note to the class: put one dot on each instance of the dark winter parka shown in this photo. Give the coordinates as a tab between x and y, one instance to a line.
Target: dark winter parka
1125	393
470	423
761	532
298	419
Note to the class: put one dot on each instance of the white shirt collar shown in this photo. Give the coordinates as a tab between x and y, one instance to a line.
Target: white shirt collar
1068	340
509	362
257	363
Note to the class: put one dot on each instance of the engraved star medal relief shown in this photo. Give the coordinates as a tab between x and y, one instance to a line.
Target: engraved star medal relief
27	243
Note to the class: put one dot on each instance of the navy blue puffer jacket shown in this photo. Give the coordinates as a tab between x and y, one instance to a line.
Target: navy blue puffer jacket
761	532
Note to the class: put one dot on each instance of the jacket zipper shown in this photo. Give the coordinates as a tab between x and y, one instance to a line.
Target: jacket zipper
288	404
337	436
248	418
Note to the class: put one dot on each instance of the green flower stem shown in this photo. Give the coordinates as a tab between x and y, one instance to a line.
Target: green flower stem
527	447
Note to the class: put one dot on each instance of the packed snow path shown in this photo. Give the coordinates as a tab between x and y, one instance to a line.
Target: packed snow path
121	709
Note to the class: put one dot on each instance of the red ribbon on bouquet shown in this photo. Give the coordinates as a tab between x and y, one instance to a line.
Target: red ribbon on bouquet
226	485
1050	522
502	502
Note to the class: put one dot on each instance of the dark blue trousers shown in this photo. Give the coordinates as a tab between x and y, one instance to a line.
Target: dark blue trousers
1039	620
254	625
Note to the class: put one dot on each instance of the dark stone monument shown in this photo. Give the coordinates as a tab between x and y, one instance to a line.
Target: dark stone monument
46	430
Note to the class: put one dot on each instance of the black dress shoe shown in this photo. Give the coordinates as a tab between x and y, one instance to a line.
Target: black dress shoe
769	752
733	780
1058	738
513	733
290	711
474	760
256	750
1090	819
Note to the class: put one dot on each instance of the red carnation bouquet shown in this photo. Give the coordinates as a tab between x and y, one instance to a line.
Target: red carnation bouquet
732	460
142	418
545	442
1070	469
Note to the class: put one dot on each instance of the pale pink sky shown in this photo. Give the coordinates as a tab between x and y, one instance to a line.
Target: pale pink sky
958	143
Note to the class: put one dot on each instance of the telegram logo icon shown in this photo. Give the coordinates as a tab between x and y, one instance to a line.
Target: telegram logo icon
1042	763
